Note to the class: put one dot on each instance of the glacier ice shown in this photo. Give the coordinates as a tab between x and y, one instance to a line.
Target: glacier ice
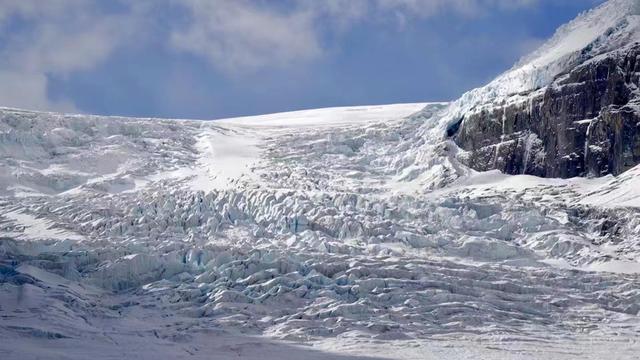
319	234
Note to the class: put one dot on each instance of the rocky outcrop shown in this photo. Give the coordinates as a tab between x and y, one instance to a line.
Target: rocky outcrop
585	123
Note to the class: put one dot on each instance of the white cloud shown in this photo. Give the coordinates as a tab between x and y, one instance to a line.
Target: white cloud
239	34
428	8
60	37
28	91
245	35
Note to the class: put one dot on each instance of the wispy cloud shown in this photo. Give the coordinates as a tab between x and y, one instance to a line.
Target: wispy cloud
41	39
239	35
427	8
56	37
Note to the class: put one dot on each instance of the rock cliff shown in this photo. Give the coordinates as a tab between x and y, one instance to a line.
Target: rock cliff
575	115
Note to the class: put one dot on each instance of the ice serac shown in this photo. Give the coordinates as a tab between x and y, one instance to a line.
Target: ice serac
572	108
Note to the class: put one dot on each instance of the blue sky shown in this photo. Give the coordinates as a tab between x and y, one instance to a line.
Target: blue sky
221	58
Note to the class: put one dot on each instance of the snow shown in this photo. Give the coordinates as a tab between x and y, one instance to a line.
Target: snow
330	116
617	192
34	228
223	160
624	267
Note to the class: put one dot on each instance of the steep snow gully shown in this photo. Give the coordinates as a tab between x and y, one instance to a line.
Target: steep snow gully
342	233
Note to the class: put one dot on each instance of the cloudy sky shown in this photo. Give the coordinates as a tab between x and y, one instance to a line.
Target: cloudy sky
221	58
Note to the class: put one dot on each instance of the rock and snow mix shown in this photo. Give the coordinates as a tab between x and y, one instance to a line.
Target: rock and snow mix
353	231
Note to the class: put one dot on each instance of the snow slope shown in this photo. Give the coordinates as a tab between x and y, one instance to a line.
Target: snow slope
610	26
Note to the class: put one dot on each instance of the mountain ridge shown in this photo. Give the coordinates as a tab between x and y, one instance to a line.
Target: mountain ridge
497	125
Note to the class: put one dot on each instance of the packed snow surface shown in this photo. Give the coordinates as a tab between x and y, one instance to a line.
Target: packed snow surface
276	239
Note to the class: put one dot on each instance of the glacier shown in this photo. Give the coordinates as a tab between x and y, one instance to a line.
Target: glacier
338	233
294	231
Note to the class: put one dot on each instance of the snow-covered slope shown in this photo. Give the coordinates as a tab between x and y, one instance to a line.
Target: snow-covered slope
611	26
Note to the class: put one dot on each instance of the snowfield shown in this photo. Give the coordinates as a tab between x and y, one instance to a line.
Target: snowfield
341	233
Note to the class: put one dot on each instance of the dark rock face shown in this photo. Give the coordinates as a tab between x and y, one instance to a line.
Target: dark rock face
586	123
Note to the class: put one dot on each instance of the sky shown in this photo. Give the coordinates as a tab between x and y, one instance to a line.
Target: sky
210	59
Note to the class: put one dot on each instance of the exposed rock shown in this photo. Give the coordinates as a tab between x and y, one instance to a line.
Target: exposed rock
585	123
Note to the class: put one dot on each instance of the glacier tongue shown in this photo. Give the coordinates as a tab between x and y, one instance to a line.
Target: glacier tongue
200	236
